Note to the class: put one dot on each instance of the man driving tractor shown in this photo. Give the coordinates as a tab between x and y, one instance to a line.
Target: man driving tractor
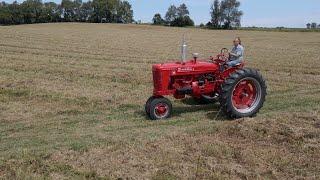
236	54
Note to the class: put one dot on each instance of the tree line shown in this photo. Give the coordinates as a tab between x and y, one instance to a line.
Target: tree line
313	25
225	14
96	11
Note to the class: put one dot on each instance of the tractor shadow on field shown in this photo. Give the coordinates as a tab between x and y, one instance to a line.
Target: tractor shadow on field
213	110
217	116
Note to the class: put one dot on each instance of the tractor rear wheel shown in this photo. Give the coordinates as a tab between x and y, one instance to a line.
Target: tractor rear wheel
160	108
243	93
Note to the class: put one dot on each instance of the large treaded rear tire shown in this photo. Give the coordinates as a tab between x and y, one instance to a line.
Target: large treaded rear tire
230	86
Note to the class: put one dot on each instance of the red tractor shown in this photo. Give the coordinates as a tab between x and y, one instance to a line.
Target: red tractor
240	91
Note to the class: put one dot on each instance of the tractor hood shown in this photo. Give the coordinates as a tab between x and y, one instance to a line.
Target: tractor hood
191	66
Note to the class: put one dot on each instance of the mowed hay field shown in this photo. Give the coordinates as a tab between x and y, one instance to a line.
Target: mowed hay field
72	106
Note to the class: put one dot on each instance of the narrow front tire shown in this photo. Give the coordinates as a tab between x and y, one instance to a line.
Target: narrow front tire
147	106
160	108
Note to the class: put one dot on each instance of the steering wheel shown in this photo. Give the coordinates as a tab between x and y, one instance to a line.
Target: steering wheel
224	54
224	50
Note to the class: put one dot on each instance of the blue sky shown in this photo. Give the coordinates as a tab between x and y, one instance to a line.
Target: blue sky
267	13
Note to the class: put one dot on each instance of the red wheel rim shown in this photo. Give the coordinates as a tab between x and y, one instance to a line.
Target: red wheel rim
161	110
246	95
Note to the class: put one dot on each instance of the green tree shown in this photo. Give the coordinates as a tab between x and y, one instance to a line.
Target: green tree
76	10
216	14
178	16
182	22
68	10
16	13
104	9
171	14
50	12
182	10
183	18
99	10
231	14
125	12
308	26
313	25
5	14
34	11
157	19
86	11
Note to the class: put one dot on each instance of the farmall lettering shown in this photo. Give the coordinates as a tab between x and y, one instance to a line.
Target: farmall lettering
185	69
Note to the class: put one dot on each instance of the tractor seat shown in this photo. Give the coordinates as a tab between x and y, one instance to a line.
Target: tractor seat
235	65
238	65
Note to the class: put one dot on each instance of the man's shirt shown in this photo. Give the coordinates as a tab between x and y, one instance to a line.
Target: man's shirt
239	51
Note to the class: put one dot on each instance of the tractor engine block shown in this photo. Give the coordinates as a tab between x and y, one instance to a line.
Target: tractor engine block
193	85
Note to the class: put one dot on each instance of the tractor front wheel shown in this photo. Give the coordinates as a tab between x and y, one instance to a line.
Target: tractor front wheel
243	93
159	108
148	103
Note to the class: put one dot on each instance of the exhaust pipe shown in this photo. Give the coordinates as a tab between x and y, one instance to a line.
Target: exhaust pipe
184	48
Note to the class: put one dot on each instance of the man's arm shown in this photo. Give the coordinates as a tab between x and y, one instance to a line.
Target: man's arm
237	54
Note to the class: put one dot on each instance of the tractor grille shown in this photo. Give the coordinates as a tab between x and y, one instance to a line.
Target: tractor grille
157	83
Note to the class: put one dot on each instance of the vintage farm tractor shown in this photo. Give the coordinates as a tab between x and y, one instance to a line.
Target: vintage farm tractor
240	91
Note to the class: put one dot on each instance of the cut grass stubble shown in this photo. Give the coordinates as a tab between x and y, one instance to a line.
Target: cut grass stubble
72	97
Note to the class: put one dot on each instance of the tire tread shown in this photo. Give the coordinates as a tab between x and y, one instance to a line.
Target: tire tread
228	85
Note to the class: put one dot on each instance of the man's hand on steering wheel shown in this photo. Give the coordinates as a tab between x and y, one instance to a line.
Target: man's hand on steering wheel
224	50
225	55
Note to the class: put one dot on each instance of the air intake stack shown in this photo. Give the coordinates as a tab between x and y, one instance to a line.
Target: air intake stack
184	48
